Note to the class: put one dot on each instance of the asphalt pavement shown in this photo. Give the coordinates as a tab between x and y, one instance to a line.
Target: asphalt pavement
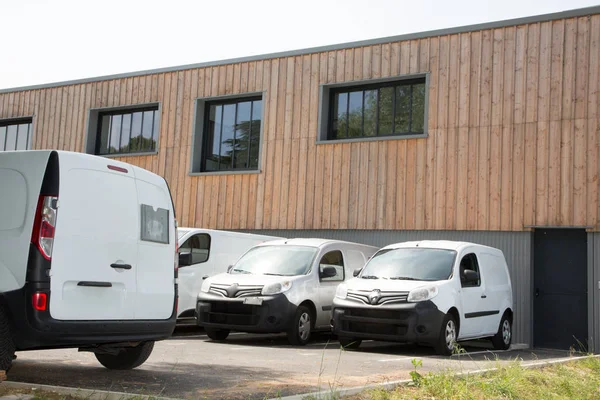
249	366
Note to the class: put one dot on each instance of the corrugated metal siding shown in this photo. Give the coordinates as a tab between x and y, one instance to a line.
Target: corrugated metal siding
517	247
594	310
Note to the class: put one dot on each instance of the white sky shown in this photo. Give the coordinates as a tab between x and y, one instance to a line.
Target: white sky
47	41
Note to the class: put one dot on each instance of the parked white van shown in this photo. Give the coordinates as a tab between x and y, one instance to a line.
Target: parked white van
204	253
429	292
279	286
87	257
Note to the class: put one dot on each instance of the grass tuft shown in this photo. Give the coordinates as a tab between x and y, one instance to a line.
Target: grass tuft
578	379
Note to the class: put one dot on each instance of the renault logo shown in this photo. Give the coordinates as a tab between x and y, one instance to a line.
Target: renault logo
374	296
232	290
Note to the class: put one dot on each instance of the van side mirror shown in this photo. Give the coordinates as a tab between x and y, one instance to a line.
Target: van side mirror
229	268
185	259
356	272
470	276
328	272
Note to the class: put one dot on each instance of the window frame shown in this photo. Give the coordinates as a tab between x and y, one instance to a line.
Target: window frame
321	279
6	122
326	105
200	132
94	125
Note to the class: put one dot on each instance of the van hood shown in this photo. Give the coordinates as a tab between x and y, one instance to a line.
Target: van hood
387	285
248	279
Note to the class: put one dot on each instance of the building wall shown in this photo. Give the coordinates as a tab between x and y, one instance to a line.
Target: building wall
517	248
513	137
594	289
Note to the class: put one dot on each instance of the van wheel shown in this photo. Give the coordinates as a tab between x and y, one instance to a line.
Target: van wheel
299	332
447	339
502	339
217	334
7	346
127	358
350	343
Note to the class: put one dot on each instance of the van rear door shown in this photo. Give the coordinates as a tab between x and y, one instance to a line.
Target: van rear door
95	255
155	275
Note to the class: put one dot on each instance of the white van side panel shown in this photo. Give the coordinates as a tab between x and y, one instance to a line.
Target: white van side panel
156	269
97	225
21	176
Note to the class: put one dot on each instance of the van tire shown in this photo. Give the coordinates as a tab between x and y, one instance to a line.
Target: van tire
350	343
300	330
217	334
443	345
502	339
7	346
128	357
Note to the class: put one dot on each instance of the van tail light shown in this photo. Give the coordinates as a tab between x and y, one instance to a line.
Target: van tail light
176	261
45	225
40	301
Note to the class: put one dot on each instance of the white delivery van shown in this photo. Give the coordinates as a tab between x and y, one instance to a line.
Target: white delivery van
427	292
87	257
279	286
204	253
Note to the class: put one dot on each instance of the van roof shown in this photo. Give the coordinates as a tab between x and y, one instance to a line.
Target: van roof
186	230
438	244
311	242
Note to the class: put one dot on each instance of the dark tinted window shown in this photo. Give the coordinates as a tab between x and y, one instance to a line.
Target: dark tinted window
396	108
127	131
333	259
15	135
410	264
199	246
232	135
469	262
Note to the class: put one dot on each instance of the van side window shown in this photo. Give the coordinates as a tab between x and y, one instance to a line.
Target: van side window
469	263
335	260
199	246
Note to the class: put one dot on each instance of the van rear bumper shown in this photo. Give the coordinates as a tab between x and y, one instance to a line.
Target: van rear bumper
36	330
407	322
274	315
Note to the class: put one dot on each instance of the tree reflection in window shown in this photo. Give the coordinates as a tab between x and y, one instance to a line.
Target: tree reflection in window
396	108
232	137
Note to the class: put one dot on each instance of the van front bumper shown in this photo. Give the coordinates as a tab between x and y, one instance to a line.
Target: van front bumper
405	322
37	330
274	315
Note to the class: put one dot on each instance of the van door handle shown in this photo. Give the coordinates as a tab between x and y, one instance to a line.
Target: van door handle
120	266
483	296
95	284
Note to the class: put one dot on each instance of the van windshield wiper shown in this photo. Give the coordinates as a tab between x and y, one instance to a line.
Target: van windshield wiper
241	271
405	278
268	273
369	277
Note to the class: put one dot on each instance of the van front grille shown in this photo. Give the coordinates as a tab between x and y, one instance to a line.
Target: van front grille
377	297
235	291
375	321
231	313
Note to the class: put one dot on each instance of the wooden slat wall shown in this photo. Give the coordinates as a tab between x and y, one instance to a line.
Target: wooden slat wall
514	127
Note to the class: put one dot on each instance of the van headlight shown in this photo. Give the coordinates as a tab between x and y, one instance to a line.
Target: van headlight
205	287
341	291
276	288
422	294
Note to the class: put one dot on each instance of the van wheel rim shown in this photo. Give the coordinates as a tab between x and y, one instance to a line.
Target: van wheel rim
450	334
304	326
506	334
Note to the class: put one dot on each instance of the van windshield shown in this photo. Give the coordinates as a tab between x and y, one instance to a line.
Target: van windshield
414	264
276	260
